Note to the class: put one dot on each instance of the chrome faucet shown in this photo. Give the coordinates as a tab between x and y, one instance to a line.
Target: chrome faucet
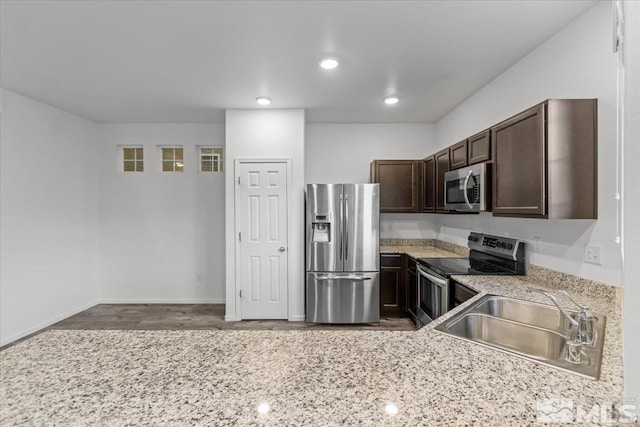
584	320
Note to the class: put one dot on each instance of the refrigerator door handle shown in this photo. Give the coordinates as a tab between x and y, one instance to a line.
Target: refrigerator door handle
346	227
341	226
343	277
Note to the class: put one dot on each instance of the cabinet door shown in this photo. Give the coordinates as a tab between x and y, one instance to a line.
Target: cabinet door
519	175
442	166
412	288
392	289
399	184
429	184
458	155
459	293
479	147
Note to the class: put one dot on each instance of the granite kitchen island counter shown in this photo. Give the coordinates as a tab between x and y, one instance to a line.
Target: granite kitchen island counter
306	377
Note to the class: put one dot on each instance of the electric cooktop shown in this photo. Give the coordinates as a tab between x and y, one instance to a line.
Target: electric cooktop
488	255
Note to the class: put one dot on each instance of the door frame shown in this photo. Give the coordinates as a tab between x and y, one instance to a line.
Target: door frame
289	176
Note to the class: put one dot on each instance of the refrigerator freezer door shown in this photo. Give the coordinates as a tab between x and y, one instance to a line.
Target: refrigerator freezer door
361	227
343	297
324	227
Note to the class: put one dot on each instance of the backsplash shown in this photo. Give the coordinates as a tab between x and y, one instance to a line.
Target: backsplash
451	247
407	242
573	284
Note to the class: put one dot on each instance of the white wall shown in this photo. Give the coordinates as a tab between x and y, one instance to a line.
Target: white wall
578	62
267	134
342	152
631	242
339	152
49	185
162	232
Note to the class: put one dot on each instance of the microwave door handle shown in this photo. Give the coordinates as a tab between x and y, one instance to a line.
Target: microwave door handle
464	189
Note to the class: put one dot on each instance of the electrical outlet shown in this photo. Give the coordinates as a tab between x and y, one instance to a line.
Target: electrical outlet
592	255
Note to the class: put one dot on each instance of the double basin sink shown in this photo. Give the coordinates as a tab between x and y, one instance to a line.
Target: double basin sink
533	331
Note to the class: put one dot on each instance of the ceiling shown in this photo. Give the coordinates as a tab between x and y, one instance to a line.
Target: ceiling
188	61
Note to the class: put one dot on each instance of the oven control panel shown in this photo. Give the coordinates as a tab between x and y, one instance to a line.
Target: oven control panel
505	247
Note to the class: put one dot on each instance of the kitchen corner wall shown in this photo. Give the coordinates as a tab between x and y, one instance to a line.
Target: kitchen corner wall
577	62
631	198
49	215
342	152
162	233
267	134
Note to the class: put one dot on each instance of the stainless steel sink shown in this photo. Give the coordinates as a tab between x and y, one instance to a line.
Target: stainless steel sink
531	313
529	330
509	335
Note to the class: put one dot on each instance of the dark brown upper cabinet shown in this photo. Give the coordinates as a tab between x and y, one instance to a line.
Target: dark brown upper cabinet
399	184
442	166
429	184
458	155
479	147
545	161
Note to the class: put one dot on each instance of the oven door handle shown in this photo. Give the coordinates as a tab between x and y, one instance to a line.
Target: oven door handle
435	279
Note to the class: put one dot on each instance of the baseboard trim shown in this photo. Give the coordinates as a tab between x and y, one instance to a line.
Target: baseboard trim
42	325
162	301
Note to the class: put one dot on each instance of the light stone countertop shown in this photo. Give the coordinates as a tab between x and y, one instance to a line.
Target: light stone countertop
327	378
493	379
418	251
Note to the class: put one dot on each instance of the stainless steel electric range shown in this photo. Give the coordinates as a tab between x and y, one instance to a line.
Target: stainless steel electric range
488	255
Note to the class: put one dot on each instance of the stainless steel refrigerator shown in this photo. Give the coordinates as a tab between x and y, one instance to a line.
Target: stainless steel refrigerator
343	253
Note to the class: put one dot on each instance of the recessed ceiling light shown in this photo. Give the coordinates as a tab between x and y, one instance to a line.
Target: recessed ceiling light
328	63
390	100
263	100
263	408
391	409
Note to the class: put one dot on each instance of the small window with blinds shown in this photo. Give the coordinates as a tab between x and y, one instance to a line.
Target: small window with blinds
211	159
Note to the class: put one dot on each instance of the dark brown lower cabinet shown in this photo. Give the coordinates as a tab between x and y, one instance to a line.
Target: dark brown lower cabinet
392	284
459	293
412	288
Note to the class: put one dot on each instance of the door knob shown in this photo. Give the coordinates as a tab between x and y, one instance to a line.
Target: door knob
282	249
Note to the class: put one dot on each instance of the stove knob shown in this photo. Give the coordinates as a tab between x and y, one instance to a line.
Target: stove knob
509	246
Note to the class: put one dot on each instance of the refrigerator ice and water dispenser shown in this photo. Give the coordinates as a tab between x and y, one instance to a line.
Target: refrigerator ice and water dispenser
321	228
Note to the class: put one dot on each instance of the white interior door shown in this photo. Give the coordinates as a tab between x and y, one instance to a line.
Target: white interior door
261	194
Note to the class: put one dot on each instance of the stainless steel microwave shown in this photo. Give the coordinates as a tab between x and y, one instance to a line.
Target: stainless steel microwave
467	189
